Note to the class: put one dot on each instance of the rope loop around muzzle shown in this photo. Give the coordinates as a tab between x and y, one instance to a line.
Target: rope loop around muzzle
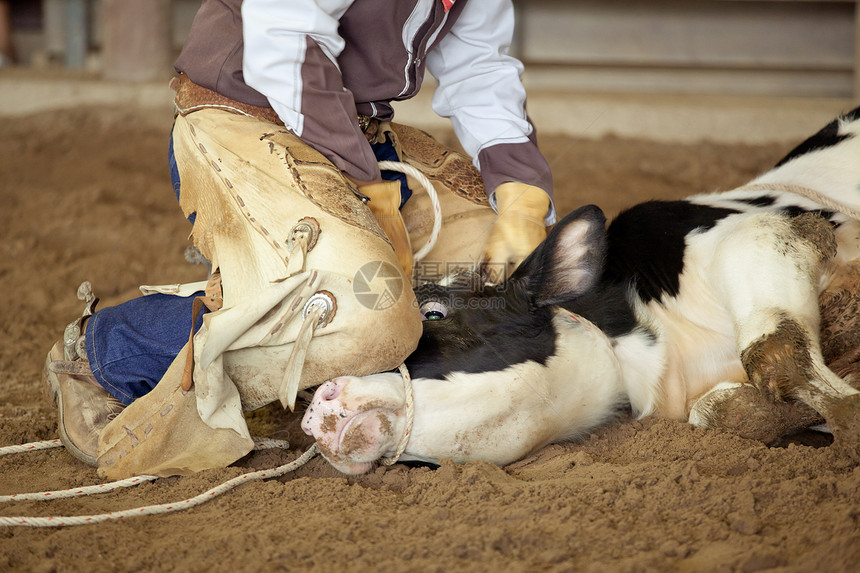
289	386
419	255
410	417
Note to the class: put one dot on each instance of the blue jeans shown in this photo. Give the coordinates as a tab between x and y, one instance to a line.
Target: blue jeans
385	152
131	345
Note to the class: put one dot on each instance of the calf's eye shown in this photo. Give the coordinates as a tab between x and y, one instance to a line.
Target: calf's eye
433	310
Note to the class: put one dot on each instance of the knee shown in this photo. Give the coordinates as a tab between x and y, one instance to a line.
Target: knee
781	361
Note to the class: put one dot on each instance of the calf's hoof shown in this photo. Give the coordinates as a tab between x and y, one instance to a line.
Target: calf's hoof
844	421
745	410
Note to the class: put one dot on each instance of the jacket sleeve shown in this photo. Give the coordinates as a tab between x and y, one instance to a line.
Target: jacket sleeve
290	55
480	89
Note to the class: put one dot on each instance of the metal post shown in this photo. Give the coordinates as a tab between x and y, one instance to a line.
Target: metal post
76	33
856	51
137	41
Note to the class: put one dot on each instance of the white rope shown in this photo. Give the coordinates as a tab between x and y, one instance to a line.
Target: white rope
259	444
810	194
269	444
434	199
59	521
31	447
410	417
77	492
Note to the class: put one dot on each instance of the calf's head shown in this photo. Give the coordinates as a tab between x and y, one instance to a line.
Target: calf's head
495	370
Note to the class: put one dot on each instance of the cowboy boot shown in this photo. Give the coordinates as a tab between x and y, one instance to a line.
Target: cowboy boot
85	408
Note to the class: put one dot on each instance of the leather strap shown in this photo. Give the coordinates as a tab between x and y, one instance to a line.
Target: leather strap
212	300
191	97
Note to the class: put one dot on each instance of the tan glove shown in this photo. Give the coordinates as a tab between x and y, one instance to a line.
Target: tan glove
384	203
519	228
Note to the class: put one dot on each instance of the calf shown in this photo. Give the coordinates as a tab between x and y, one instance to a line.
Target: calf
722	309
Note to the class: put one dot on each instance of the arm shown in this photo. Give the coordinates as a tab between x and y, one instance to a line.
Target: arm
290	55
480	90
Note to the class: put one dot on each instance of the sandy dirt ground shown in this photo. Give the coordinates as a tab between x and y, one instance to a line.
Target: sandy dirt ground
85	194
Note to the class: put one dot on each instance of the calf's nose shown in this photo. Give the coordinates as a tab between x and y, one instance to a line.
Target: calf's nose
330	390
324	402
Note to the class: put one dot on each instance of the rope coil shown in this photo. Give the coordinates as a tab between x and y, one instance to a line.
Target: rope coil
434	200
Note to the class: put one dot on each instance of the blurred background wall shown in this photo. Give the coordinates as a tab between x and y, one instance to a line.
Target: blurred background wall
796	48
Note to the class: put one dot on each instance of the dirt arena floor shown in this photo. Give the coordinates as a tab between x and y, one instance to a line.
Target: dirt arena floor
85	194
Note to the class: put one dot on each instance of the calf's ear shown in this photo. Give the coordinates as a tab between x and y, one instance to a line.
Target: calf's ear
569	262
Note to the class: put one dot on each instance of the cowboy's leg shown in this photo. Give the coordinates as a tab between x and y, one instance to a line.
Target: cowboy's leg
296	250
131	345
277	185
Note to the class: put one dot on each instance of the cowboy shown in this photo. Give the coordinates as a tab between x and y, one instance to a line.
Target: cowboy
283	112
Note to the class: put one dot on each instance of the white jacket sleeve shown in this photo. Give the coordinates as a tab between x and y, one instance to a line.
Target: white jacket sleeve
481	90
274	33
479	83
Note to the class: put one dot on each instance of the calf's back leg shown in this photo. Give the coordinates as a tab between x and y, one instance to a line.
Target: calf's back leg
776	316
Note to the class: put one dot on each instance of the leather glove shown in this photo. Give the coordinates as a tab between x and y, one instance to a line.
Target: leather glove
518	229
384	203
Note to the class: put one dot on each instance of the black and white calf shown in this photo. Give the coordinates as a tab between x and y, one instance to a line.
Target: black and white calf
722	309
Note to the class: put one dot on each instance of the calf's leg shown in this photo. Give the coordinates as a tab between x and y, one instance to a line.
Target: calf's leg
776	315
744	409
